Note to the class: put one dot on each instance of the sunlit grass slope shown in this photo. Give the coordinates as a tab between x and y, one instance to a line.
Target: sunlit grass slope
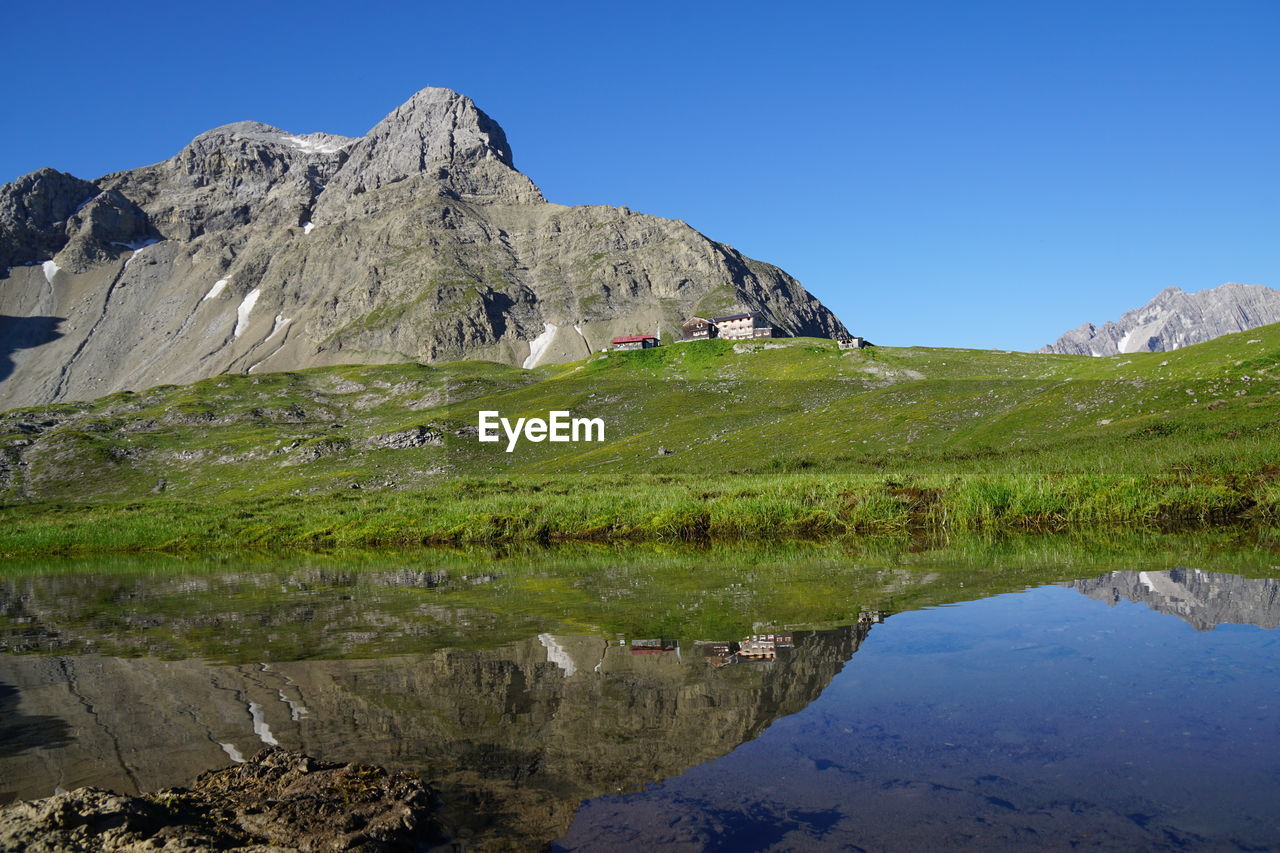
712	439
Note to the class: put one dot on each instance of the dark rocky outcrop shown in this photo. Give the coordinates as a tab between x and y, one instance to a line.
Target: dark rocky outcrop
33	213
108	225
48	213
419	241
405	439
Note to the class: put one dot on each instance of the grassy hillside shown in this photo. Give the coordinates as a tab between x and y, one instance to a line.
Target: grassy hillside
787	437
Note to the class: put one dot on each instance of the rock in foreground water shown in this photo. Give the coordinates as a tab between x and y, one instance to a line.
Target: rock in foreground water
276	801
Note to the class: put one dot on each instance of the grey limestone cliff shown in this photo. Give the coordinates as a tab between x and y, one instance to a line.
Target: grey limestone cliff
254	249
1174	319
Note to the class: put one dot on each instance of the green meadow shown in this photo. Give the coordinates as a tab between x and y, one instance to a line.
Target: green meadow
707	441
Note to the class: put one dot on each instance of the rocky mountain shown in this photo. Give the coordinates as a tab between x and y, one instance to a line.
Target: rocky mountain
254	249
1202	599
1176	319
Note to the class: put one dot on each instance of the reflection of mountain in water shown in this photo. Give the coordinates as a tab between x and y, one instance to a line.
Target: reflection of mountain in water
1204	599
514	737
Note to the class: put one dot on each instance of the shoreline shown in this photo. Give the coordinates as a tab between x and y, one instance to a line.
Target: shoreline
662	509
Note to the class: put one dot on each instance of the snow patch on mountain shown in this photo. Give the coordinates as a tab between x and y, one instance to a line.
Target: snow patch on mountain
280	323
317	143
137	245
539	345
218	286
246	307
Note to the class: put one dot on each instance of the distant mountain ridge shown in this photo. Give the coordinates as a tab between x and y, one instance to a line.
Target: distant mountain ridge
1204	600
1174	319
254	250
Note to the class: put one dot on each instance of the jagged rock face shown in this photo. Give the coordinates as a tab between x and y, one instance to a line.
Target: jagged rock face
245	175
50	213
1176	319
419	241
1203	599
440	134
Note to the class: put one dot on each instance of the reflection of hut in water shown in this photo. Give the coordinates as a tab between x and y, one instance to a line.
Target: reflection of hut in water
651	647
757	650
764	646
718	653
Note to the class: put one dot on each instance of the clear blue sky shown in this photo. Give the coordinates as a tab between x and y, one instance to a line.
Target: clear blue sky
982	174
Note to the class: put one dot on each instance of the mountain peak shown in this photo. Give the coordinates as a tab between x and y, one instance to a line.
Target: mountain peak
242	128
256	131
443	134
459	128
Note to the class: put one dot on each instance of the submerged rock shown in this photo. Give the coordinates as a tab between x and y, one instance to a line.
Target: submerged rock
275	801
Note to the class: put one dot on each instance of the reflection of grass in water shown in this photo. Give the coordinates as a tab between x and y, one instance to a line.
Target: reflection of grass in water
358	604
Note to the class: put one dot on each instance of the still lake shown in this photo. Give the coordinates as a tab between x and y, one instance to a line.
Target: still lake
981	695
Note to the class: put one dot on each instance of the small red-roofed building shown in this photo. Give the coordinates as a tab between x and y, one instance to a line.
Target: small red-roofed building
628	342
